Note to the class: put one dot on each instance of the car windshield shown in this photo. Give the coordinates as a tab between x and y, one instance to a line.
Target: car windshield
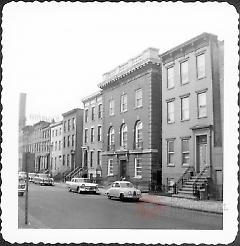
43	175
21	173
126	185
83	180
31	174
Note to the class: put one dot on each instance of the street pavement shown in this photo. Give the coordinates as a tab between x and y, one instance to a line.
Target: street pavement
56	208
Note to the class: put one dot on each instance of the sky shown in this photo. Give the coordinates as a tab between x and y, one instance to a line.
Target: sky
58	52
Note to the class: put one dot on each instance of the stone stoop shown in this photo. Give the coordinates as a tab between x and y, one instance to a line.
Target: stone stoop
187	189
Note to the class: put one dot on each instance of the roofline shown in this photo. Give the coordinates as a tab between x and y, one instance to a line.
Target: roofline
71	111
192	40
91	96
56	123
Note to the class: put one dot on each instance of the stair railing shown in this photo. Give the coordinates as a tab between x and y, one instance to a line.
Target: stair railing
196	188
185	176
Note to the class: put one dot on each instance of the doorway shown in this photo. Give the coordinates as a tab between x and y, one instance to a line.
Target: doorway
201	152
123	168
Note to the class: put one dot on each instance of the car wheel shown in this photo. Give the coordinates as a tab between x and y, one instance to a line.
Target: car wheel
108	195
137	199
78	190
121	197
69	189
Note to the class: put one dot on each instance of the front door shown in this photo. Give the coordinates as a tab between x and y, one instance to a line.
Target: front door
201	152
123	168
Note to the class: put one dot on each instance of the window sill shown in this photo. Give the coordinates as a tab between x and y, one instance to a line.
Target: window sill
202	77
186	83
137	177
138	107
185	165
203	117
185	120
110	175
171	122
170	165
170	88
122	112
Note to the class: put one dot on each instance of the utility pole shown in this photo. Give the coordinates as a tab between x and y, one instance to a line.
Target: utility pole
26	196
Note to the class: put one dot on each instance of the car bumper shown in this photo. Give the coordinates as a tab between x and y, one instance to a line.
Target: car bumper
128	196
90	189
46	183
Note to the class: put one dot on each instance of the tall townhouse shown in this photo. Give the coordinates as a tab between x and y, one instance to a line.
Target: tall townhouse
72	139
192	79
56	148
92	135
131	95
41	145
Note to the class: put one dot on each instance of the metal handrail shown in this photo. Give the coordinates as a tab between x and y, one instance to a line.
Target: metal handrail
195	188
184	176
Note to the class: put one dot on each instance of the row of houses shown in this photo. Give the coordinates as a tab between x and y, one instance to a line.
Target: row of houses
155	119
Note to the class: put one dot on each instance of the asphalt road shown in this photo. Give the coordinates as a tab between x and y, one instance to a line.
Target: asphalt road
55	207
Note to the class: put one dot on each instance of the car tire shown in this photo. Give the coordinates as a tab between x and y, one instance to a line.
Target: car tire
108	195
69	189
78	190
137	199
121	197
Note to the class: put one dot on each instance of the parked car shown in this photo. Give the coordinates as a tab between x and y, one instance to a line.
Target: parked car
43	179
31	176
22	175
81	185
123	190
21	186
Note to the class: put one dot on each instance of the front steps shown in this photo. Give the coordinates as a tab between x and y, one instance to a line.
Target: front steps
187	189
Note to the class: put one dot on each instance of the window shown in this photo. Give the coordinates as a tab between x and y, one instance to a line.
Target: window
56	145
185	152
138	135
73	123
68	141
55	163
60	131
138	98
185	108
110	167
100	111
123	133
60	159
64	142
170	77
59	145
123	103
73	140
93	112
170	112
202	104
201	66
91	158
170	152
69	125
184	72
63	160
86	136
52	133
99	133
111	107
86	115
68	160
64	126
99	158
111	136
56	132
92	135
138	168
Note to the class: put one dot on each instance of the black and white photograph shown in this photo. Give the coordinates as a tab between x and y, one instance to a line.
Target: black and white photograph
120	122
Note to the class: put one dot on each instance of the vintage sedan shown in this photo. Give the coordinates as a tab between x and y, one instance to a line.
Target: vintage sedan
43	179
21	186
123	190
31	176
22	175
81	185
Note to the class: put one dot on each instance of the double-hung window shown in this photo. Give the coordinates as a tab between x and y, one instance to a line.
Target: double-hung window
123	103
93	113
99	157
99	133
138	135
201	68
138	98
123	134
185	151
86	115
92	135
91	158
170	112
85	135
202	104
170	77
111	138
185	108
138	168
184	72
111	107
170	152
100	111
110	167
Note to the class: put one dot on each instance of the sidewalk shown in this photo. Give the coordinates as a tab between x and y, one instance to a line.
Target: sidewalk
204	206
